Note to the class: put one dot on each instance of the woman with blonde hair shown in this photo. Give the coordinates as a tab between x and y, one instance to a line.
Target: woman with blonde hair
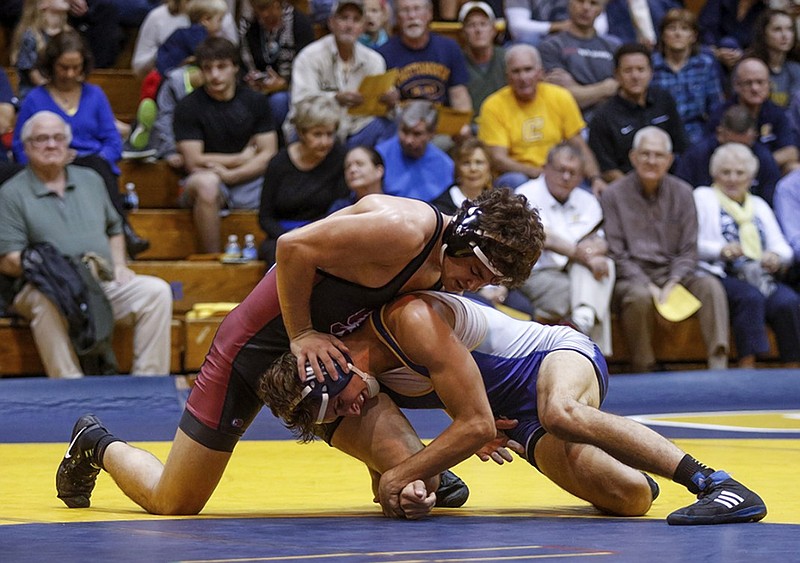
304	179
40	21
739	240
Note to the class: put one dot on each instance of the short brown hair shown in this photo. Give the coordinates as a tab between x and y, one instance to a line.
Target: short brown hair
463	151
216	49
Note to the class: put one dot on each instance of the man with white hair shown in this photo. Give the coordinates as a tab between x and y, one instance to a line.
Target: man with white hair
521	122
68	207
430	67
651	229
573	280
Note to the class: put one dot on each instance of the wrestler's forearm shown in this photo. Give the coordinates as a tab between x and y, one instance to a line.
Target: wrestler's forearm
451	447
295	280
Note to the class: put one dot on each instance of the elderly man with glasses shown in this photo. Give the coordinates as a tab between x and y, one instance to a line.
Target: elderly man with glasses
68	207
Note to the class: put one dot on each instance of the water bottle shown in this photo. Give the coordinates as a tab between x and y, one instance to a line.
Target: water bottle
232	249
250	252
131	197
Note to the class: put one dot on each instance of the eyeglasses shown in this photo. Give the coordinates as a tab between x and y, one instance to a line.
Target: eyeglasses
43	140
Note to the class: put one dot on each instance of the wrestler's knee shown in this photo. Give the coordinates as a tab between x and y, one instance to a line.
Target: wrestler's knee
560	416
628	497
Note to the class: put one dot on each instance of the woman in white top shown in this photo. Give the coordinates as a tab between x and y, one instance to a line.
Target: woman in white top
740	241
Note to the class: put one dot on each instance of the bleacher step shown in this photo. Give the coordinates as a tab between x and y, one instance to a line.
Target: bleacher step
172	234
18	354
203	281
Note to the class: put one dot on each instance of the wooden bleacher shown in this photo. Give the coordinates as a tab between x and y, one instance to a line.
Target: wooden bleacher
18	355
206	281
172	234
675	345
198	334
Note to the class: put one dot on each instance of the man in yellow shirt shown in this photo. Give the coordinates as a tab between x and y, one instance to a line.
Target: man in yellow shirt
521	122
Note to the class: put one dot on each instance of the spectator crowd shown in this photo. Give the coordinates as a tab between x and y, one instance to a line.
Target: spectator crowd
660	146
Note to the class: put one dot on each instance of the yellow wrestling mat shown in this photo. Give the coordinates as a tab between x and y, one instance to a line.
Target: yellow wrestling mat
283	478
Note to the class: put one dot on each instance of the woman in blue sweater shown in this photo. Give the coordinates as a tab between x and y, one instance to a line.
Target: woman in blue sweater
66	63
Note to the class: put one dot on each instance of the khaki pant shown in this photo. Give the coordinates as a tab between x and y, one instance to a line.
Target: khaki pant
556	293
638	314
144	302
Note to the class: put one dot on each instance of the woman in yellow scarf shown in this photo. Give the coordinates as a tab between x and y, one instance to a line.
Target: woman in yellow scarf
740	241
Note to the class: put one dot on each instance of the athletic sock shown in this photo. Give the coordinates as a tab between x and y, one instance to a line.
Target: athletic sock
101	438
691	474
100	449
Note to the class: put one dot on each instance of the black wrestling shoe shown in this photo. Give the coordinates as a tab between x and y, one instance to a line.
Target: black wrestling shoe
723	500
77	473
452	491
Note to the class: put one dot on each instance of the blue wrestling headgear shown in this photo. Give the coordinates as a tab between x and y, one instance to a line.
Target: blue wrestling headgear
463	236
326	390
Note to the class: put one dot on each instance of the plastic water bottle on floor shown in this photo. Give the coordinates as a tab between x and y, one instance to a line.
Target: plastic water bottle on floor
232	249
131	197
249	252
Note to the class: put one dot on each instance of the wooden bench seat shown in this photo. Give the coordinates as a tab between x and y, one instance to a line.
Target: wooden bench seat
18	354
675	343
172	234
156	183
203	281
122	88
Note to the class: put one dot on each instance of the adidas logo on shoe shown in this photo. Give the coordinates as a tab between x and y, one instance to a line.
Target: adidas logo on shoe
723	500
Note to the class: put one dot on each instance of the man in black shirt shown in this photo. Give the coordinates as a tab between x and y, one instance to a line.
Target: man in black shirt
635	106
226	136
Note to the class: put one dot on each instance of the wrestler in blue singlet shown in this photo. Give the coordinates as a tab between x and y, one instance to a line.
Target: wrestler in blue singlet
224	400
508	353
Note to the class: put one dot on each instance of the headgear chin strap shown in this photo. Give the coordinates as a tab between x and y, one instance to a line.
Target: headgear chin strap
373	387
326	389
463	236
329	388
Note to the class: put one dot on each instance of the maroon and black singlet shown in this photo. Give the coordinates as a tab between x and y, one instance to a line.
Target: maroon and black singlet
224	400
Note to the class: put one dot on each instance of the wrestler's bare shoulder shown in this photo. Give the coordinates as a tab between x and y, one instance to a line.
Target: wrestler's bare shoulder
398	215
